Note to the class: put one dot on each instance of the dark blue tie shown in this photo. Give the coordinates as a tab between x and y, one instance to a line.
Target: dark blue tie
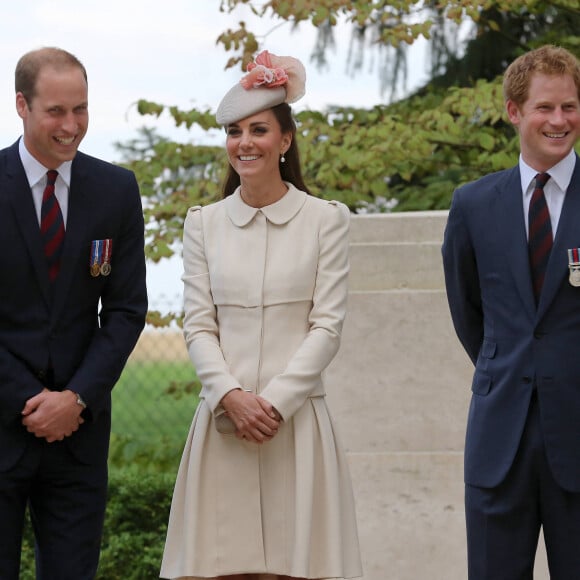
540	234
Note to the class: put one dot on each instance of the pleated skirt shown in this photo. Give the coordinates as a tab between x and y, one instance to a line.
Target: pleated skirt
284	507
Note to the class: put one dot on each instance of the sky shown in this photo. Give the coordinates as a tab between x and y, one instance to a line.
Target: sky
166	52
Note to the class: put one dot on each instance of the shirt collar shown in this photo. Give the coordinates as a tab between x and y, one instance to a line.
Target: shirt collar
35	171
561	173
278	213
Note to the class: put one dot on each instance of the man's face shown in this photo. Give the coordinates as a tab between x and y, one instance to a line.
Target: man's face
549	121
57	118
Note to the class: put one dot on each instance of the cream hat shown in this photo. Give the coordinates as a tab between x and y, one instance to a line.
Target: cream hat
271	80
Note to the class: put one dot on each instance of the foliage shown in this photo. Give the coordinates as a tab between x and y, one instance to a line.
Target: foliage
379	205
172	176
496	30
149	454
135	527
413	153
416	151
27	570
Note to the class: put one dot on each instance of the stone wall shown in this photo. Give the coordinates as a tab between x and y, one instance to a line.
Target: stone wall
399	391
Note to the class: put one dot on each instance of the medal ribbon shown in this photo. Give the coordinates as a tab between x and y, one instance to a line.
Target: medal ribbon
574	256
96	250
108	250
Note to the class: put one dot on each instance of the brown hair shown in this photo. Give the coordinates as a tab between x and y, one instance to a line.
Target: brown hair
548	60
290	170
29	66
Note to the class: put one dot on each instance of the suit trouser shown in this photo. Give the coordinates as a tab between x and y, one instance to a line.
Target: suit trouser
67	502
503	523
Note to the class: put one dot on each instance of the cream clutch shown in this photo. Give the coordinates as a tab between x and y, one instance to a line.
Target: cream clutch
222	422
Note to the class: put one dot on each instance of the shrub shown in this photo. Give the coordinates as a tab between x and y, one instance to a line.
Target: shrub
135	527
145	453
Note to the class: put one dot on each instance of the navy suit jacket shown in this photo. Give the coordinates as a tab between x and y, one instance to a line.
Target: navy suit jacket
85	326
514	346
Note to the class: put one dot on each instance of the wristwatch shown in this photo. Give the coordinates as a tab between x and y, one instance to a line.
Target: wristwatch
80	401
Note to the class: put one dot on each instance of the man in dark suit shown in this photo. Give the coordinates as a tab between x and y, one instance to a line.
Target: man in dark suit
72	305
514	294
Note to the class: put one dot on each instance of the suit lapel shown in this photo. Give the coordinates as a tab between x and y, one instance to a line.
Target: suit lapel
567	236
512	234
20	195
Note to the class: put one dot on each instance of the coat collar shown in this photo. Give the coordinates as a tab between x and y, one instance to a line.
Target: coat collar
278	213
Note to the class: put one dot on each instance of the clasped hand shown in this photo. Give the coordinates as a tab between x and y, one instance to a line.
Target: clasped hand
52	415
255	418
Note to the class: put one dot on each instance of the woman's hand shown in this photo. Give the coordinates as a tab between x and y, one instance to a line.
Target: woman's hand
255	418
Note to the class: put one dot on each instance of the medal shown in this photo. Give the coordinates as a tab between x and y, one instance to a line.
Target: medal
100	260
106	265
575	276
94	262
574	266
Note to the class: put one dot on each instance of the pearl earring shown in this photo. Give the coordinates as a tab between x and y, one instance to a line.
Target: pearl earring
282	158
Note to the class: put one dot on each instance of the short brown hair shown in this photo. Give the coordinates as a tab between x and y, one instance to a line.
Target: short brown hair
548	60
29	66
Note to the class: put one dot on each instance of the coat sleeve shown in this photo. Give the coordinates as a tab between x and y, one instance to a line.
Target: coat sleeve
462	280
123	306
289	390
17	385
200	326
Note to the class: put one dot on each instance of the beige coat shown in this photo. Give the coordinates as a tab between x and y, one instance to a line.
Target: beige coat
265	299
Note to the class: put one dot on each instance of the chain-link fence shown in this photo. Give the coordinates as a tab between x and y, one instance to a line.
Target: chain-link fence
155	398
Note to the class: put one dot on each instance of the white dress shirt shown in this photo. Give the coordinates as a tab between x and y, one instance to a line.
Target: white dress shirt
36	176
554	190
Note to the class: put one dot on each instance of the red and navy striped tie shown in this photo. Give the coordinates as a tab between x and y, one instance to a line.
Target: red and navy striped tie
540	234
51	226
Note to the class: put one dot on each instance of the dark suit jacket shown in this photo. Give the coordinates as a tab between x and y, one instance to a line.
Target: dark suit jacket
87	349
514	345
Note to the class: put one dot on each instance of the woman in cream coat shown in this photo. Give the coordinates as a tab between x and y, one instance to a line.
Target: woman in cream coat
263	489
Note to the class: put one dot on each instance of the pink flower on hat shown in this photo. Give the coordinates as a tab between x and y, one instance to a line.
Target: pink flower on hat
261	75
270	71
263	72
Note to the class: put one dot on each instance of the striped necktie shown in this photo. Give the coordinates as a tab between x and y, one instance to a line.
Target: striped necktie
540	234
51	226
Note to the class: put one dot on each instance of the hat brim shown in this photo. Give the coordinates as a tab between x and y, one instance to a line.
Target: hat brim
239	103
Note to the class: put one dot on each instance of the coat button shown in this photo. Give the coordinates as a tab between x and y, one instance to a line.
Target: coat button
527	380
